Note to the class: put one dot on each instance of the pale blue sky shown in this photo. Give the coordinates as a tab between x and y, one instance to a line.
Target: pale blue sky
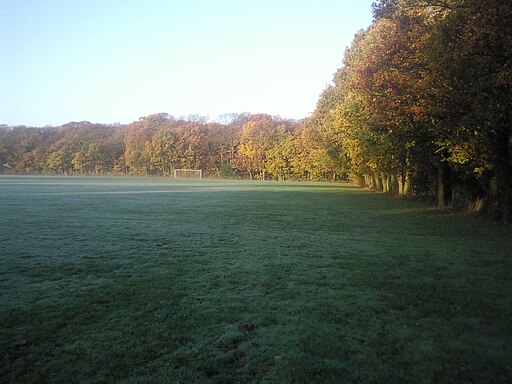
112	61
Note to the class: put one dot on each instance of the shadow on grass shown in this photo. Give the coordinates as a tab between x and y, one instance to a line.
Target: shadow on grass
260	282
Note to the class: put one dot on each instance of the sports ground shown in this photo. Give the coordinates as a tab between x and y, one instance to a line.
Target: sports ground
153	280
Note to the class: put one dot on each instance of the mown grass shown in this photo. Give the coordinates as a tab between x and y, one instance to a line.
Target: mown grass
151	280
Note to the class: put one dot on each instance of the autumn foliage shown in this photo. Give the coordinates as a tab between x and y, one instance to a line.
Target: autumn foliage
246	146
423	103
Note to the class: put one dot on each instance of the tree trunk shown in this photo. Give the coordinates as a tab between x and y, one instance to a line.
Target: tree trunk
407	183
376	179
385	182
392	183
400	180
503	176
367	181
444	185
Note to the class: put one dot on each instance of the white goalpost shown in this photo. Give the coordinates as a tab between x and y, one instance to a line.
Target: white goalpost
188	173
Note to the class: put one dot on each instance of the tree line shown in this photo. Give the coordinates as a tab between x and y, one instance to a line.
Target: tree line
243	146
421	105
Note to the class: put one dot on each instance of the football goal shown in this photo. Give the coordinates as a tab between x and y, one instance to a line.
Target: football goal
188	174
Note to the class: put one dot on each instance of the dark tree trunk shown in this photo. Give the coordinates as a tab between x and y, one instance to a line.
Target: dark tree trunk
444	184
504	176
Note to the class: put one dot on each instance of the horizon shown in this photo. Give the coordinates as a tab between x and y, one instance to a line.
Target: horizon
223	119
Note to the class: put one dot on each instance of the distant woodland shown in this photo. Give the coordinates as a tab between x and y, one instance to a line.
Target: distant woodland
421	105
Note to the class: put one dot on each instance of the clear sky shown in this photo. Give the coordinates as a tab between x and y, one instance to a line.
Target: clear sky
110	61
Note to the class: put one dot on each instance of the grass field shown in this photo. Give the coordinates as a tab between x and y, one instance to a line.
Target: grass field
128	280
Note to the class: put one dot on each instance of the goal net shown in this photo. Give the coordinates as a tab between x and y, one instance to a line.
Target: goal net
188	174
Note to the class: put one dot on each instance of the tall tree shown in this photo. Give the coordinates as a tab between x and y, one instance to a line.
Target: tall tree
256	139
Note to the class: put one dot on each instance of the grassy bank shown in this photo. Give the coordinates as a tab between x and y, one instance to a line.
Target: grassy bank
152	280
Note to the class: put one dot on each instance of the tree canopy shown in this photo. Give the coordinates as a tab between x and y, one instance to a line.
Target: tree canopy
422	103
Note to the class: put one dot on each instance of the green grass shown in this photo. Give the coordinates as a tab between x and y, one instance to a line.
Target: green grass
131	280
